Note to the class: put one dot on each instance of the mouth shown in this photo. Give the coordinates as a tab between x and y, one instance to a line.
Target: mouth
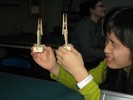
108	59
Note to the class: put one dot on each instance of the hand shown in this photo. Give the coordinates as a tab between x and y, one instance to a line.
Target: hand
72	61
46	59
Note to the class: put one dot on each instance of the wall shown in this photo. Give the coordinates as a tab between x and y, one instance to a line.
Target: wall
12	14
52	13
115	3
52	9
15	18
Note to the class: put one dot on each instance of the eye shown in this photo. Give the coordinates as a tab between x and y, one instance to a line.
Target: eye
111	42
114	45
101	6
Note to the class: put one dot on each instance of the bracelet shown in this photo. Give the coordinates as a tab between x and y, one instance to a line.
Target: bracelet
85	81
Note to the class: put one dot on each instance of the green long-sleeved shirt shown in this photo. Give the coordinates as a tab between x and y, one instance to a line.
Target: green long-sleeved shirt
91	91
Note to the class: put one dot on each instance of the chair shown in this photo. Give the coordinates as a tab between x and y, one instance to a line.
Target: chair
15	62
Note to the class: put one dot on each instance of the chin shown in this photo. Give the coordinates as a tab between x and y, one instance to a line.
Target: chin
112	66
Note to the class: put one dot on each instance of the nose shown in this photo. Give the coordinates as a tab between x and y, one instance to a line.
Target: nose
108	48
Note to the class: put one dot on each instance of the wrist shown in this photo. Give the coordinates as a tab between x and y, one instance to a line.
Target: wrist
55	70
85	81
81	75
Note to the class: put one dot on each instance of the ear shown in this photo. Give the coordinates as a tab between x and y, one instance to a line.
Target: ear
91	10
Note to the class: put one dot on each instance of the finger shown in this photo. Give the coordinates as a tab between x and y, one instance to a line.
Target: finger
59	62
74	51
34	55
59	58
63	50
58	53
47	48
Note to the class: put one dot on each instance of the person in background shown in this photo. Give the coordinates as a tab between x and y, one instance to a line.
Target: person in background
86	35
114	73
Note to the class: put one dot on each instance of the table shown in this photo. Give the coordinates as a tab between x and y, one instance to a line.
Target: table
16	87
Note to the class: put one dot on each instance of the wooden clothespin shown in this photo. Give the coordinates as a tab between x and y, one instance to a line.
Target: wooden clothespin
65	31
39	47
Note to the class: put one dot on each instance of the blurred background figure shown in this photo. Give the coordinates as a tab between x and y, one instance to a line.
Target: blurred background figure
87	34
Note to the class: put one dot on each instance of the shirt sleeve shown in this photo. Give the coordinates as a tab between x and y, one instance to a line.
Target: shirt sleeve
65	78
90	91
99	72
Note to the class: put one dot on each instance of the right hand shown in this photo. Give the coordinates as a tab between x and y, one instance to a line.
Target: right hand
71	60
46	59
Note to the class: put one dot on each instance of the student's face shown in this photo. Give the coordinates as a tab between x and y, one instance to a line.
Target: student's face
99	10
117	55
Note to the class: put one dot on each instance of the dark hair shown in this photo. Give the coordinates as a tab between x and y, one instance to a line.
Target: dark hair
86	6
108	16
120	22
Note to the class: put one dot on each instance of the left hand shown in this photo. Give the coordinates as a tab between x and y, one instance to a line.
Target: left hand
46	59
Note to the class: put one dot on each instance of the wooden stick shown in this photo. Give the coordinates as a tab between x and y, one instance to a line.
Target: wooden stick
39	47
65	29
39	31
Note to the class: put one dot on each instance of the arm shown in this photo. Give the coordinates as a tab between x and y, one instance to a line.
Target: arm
67	74
91	91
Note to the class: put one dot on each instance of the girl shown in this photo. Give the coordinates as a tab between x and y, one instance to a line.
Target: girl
86	35
114	73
